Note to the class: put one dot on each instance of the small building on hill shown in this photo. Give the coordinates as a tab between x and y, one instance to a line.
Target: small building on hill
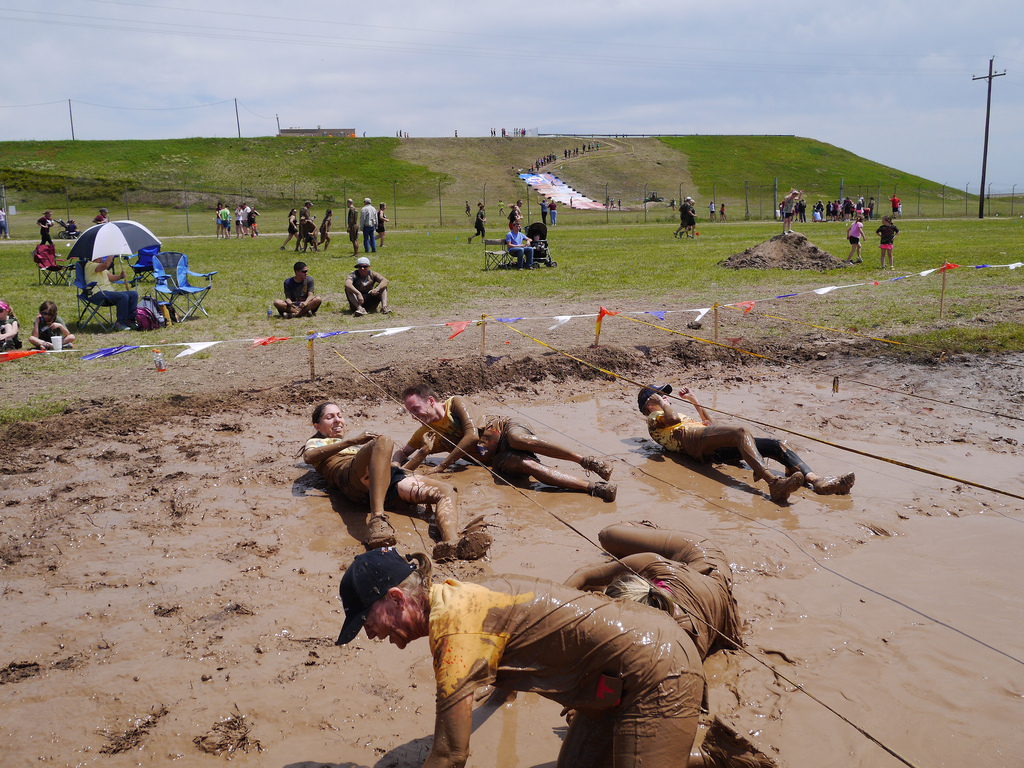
343	133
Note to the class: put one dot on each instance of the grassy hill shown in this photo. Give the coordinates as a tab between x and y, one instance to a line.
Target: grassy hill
429	180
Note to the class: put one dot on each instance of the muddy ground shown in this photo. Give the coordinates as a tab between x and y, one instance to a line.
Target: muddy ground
169	568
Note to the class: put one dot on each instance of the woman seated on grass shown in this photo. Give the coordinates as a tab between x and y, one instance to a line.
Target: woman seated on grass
9	328
47	325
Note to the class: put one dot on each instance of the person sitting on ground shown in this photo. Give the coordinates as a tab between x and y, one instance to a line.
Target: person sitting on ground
633	675
100	271
300	300
519	245
47	325
360	467
691	570
701	439
102	217
451	426
366	289
510	448
9	328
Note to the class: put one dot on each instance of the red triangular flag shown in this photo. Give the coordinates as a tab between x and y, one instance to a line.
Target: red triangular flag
8	356
947	266
268	340
459	327
746	306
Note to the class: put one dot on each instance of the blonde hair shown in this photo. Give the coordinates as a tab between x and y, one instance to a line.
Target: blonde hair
417	584
639	590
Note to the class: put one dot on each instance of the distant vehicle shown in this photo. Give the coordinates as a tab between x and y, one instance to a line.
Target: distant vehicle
654	197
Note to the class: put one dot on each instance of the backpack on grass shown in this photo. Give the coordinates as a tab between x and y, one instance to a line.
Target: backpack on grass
148	314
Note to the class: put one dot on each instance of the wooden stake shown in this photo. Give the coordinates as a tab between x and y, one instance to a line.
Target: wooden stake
716	322
942	296
483	334
312	365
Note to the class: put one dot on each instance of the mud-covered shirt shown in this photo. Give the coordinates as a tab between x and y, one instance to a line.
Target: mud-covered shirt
527	634
337	468
449	426
676	437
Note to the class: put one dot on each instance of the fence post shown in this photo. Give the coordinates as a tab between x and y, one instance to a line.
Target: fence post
184	185
127	213
746	202
943	201
645	203
967	196
394	200
440	216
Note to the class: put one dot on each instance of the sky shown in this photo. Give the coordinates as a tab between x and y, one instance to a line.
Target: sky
890	81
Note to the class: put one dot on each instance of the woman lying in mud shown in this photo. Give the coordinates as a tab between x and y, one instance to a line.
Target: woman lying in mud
360	467
654	565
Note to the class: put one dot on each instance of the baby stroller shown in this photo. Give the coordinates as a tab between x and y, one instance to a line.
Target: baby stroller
538	233
68	231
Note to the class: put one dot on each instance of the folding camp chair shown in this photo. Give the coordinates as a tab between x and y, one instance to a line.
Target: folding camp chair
142	269
91	307
50	272
171	271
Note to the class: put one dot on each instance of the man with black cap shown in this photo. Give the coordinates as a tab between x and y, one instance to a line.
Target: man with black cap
705	441
633	677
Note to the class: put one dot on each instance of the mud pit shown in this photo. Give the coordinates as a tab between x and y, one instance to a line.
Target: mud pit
188	561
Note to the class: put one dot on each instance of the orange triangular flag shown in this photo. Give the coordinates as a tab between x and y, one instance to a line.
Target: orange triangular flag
746	306
947	266
268	340
459	327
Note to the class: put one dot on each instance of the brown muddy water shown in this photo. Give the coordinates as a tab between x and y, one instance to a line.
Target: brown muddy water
195	567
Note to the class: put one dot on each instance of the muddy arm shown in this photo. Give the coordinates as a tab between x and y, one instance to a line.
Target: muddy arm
452	729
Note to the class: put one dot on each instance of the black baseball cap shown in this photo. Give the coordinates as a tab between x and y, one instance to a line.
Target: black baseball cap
651	389
365	582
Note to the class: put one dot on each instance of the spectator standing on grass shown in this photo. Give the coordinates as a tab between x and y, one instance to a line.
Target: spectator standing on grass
382	217
468	210
300	300
887	232
516	214
45	222
721	212
801	209
352	226
544	210
239	221
366	289
895	201
368	224
711	210
3	224
870	208
224	216
251	223
481	220
47	325
855	233
553	212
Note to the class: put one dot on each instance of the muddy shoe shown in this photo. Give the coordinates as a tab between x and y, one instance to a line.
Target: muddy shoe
472	546
594	464
828	486
379	534
603	490
779	488
360	312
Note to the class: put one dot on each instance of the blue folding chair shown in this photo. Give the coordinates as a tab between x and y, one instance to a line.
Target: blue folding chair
91	307
171	271
142	269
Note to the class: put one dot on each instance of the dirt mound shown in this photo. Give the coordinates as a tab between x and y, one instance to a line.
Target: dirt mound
784	252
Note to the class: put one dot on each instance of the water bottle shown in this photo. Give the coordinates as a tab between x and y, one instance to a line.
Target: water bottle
270	313
158	360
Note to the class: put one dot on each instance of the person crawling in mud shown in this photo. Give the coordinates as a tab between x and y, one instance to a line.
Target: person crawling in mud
458	428
450	426
704	441
510	448
624	666
360	467
681	573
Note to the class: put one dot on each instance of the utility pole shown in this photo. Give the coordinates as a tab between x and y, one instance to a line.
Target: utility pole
237	121
988	111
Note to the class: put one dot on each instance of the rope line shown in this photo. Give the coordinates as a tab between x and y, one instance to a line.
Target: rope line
810	371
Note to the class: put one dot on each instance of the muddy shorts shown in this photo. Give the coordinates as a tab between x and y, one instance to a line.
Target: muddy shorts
505	456
353	233
690	440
